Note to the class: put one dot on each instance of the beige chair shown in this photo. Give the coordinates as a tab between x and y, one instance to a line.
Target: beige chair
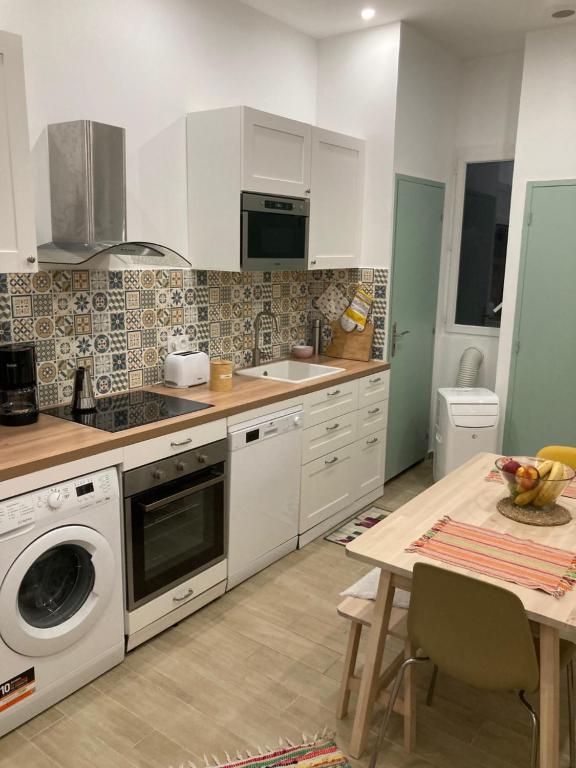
477	633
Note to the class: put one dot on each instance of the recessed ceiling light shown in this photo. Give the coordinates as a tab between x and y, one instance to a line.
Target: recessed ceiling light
367	13
564	13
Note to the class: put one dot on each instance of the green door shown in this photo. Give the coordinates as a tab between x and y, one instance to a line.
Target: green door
541	398
415	268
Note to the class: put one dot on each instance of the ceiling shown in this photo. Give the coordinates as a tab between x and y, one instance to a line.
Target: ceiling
469	28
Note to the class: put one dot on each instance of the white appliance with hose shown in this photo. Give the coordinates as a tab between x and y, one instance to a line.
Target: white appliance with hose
466	424
61	597
264	491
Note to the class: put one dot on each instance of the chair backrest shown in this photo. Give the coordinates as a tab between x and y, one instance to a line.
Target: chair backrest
564	453
474	631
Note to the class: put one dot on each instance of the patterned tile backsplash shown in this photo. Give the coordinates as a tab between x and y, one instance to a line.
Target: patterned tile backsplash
118	323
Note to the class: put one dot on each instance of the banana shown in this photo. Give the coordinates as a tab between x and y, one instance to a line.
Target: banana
549	489
527	496
545	467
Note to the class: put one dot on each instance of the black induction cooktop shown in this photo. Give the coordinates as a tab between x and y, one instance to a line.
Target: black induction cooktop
133	409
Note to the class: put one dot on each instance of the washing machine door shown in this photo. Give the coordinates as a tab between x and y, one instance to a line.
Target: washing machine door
56	590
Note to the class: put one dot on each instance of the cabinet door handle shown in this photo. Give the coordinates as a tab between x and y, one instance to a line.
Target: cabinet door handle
333	394
372	441
333	460
372	411
188	593
376	380
184	442
334	426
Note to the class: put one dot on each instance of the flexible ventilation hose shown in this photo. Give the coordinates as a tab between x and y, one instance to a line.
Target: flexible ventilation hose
470	363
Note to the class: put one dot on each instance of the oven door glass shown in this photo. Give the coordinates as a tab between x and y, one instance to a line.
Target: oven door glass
174	531
276	236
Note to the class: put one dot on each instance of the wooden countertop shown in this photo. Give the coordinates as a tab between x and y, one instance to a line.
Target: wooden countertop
52	441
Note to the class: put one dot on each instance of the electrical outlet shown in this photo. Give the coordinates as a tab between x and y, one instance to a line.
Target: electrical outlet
178	343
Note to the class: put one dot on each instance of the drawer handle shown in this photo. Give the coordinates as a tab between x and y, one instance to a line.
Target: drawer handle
184	442
376	380
179	598
334	426
372	411
372	441
333	394
333	460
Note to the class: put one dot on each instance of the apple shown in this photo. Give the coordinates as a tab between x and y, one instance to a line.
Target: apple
527	477
511	466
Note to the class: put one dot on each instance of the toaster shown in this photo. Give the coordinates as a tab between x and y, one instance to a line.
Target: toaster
186	369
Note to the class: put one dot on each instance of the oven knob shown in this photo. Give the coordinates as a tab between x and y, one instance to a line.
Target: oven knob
180	466
202	458
159	474
55	500
297	421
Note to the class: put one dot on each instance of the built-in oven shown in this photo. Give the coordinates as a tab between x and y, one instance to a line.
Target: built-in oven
274	232
175	524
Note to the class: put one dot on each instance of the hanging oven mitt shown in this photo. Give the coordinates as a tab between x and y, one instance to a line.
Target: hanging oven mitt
356	314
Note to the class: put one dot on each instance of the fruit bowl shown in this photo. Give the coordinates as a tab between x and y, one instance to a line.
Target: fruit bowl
532	482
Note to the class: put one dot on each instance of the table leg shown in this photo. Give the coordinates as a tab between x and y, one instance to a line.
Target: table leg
372	662
549	697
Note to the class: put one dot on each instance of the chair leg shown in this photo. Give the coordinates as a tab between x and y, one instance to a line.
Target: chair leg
535	730
349	668
393	696
432	687
571	736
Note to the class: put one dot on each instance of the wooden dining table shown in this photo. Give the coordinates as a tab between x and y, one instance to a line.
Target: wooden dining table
466	496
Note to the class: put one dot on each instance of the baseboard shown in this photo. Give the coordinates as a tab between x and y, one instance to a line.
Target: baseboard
339	518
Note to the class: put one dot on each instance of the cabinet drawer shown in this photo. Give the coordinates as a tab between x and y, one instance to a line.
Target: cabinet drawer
369	458
373	388
175	442
328	436
372	418
331	402
327	487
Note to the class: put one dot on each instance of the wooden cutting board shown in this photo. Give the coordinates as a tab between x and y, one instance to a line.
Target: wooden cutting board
355	345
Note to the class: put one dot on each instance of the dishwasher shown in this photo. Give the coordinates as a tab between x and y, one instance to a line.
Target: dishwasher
264	461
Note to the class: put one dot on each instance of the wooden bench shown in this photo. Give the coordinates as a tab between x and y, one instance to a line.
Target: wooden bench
359	613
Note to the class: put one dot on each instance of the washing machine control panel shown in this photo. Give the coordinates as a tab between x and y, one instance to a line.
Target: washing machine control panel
63	499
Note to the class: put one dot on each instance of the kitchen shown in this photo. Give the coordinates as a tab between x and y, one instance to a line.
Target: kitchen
345	113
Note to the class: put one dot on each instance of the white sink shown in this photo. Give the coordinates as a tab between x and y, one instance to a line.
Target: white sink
290	371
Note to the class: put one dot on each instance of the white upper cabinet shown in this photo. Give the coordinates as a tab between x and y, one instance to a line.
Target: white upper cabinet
17	223
275	154
337	187
239	149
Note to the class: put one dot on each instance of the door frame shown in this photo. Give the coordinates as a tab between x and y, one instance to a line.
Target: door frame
399	177
530	187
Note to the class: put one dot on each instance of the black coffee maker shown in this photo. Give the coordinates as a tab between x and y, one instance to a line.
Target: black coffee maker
18	395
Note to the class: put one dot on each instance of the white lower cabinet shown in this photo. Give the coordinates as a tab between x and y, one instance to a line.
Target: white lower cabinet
326	487
369	458
343	451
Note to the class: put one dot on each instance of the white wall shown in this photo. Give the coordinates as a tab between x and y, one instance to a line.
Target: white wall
143	64
357	83
545	150
487	116
428	77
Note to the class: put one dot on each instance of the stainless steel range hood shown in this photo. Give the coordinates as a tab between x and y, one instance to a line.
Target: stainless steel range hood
88	202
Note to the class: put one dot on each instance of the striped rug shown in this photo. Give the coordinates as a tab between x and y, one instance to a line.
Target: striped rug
499	555
319	753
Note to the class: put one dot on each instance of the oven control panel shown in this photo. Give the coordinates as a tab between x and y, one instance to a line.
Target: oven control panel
58	501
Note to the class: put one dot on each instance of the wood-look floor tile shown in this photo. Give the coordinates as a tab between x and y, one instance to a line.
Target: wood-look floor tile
16	750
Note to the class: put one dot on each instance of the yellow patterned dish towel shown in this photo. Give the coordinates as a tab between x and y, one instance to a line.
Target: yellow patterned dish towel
354	318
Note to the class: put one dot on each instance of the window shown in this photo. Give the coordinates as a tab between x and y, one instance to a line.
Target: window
483	242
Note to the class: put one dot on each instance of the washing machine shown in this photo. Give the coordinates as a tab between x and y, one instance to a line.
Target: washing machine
61	592
466	424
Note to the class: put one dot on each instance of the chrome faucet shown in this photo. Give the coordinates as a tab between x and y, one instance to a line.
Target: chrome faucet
257	352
